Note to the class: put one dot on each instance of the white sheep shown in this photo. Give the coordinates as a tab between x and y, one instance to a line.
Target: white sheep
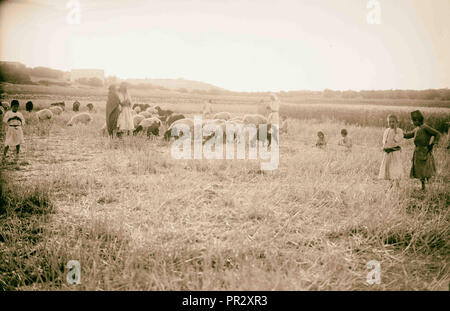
146	114
137	109
83	118
137	119
152	110
44	114
222	115
150	125
255	119
56	110
188	122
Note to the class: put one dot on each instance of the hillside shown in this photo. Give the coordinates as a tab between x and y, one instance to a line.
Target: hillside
175	84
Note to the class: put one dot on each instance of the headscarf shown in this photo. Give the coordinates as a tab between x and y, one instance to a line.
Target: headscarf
416	114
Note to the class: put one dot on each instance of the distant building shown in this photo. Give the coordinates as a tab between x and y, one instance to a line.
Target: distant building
76	74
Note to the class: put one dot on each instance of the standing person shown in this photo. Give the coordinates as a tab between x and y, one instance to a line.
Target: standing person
423	166
125	119
274	118
207	109
112	110
14	135
391	166
345	141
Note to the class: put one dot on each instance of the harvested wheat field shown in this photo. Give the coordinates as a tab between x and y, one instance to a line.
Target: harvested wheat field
135	218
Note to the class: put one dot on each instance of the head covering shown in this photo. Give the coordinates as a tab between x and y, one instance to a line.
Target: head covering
417	115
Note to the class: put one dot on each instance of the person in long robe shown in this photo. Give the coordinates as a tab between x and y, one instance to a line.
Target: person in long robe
423	165
391	167
112	110
125	120
274	117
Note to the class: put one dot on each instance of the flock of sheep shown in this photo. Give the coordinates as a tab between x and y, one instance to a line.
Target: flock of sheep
58	108
150	119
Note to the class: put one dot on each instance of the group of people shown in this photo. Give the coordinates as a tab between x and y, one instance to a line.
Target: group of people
425	137
119	118
345	141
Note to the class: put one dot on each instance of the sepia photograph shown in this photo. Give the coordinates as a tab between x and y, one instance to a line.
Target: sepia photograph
201	146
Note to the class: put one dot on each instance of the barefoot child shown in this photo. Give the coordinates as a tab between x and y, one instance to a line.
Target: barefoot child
391	166
423	166
321	143
14	134
345	141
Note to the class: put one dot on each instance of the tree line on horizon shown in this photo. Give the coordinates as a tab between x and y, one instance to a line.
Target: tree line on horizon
20	74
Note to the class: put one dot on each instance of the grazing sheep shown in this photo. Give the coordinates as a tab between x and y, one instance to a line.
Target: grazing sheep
29	106
81	118
174	117
257	119
59	104
56	110
45	114
146	114
188	122
137	109
222	115
142	107
152	110
236	119
150	125
76	106
137	119
162	112
221	123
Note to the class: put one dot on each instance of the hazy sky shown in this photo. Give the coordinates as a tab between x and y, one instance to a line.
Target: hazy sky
242	45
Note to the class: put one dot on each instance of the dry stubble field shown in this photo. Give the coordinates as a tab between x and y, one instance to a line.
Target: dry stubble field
137	219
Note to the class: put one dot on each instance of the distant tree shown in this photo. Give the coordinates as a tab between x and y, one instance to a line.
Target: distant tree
46	72
10	73
330	93
349	94
445	94
90	81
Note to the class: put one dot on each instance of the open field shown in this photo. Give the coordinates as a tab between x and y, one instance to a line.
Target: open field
135	218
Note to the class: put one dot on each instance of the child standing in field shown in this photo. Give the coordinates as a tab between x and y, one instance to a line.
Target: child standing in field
423	166
14	135
391	166
321	142
345	141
